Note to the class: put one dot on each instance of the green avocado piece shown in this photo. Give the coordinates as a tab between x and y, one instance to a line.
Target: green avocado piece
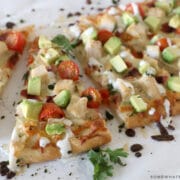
90	33
174	22
34	86
118	64
43	42
165	5
138	103
153	22
113	45
143	67
128	19
176	10
170	54
63	98
50	56
53	129
31	109
173	83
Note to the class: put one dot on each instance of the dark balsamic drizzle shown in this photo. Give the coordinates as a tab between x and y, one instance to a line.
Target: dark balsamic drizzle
10	25
138	154
164	135
4	170
136	147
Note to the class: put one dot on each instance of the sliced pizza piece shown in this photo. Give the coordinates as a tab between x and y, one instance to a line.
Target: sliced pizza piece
12	44
119	52
54	118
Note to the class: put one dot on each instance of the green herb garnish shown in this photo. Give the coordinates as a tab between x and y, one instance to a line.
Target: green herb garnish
103	161
63	42
115	1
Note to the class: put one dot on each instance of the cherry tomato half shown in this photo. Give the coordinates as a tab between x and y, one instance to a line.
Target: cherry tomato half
94	97
16	41
68	70
162	43
51	110
104	35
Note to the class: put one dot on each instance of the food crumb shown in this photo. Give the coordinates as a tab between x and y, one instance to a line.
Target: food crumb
2	117
45	170
70	173
22	21
138	154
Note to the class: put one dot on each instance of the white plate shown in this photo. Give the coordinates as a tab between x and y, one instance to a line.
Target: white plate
158	158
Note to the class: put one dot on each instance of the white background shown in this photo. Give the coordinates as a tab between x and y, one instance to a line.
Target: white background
158	158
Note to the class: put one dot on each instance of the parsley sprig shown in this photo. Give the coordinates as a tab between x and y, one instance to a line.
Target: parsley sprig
103	161
63	42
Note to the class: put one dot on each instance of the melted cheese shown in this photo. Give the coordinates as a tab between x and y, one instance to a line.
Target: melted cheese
64	145
152	111
43	142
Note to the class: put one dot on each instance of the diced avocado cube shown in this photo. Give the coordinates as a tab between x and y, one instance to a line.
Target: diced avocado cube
88	34
170	54
153	22
44	42
177	10
165	5
174	22
128	19
55	129
143	66
63	98
173	83
31	109
118	64
34	86
61	58
50	56
138	103
113	45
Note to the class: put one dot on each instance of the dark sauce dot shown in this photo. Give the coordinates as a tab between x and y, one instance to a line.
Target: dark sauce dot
2	117
130	132
108	115
136	147
88	2
10	174
69	15
22	21
77	14
33	10
70	173
138	154
61	9
8	15
163	137
4	170
10	25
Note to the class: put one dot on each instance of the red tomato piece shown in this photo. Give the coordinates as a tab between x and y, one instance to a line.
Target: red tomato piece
68	70
178	31
162	43
104	35
94	97
104	95
51	110
16	41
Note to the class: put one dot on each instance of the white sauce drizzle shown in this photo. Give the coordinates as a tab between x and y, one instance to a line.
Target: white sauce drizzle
43	142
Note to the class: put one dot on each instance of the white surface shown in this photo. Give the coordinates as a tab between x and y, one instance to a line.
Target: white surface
158	158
